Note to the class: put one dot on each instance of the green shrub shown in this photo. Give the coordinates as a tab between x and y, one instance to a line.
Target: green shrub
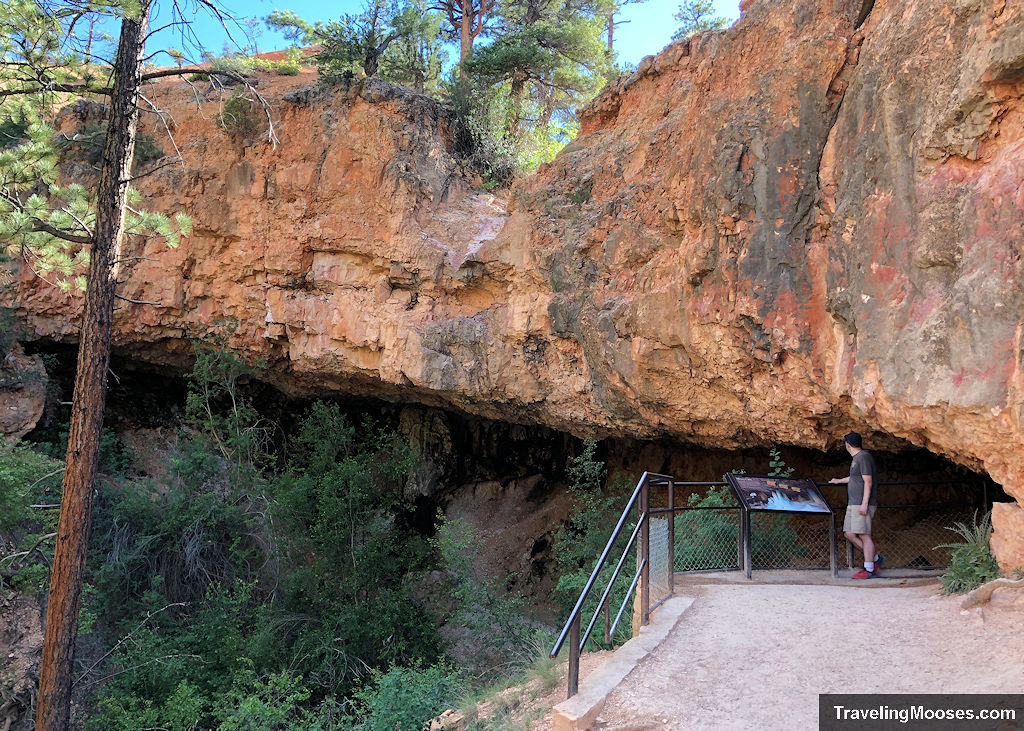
27	479
281	601
222	415
275	703
244	65
179	540
292	62
481	110
346	530
494	622
777	465
971	563
579	543
115	459
239	116
181	666
405	698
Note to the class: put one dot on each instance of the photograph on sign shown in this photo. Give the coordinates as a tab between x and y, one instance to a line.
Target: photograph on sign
787	494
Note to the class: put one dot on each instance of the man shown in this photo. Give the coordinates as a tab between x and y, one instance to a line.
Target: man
862	502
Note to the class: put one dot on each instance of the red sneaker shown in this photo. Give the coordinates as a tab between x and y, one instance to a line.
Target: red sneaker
863	574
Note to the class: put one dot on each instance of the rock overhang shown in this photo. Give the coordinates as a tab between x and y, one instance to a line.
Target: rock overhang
806	224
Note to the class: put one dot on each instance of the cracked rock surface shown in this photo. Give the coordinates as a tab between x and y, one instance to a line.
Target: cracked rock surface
808	223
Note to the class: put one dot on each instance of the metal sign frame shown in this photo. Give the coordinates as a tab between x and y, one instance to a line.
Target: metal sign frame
746	509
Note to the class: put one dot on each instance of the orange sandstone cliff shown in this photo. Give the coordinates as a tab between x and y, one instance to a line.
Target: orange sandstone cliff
810	222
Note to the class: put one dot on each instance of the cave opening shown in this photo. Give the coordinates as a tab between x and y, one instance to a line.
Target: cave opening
510	481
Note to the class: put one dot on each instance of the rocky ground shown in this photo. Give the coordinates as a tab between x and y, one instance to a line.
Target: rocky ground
758	656
21	639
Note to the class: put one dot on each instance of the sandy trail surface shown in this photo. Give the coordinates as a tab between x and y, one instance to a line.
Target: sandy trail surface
756	657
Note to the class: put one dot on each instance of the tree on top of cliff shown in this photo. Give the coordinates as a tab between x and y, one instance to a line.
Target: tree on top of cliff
393	39
466	20
520	93
613	9
58	229
551	55
696	16
416	59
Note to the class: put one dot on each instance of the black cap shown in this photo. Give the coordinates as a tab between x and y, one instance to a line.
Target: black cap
853	439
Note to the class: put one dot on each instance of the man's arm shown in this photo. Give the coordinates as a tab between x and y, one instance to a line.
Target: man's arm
868	484
839	481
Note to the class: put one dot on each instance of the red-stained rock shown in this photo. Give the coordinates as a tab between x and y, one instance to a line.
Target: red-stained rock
808	223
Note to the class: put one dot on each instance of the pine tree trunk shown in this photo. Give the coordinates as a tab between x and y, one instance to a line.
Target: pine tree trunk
516	105
61	630
371	62
548	109
465	37
611	32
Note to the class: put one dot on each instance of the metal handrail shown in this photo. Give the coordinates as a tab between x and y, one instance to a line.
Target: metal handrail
611	582
571	630
629	594
572	624
576	610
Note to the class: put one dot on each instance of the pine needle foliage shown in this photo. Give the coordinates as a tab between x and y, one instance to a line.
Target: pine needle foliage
47	222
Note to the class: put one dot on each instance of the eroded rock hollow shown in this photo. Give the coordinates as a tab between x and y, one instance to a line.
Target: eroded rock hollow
809	223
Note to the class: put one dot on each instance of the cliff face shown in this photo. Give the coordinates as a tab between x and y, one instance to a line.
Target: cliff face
808	223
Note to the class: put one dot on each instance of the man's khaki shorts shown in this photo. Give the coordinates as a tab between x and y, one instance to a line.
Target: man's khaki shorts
857	523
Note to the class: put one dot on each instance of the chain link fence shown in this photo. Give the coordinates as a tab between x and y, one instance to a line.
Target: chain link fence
707	539
915	536
658	557
789	540
707	535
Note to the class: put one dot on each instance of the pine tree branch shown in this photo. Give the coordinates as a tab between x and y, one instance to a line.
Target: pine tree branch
42	226
162	115
80	87
137	302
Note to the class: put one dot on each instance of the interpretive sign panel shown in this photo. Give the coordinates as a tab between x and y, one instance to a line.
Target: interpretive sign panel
779	494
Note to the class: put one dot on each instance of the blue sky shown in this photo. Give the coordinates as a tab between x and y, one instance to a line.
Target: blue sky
649	28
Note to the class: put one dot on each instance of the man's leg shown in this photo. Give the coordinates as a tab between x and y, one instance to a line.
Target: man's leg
868	546
854	539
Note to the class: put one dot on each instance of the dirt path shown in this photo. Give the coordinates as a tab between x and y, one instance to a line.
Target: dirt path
746	657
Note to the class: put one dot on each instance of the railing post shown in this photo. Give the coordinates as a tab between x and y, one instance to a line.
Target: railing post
607	620
833	551
672	536
645	554
748	551
740	551
574	657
